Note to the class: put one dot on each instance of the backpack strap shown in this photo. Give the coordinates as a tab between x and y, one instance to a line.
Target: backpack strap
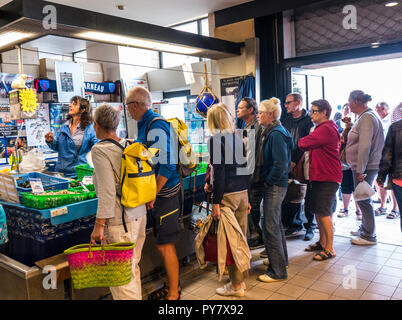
149	126
124	174
177	166
114	142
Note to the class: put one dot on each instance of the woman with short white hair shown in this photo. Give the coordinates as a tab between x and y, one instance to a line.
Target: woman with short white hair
112	222
274	165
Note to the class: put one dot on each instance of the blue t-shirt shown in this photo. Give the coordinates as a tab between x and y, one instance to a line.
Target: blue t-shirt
159	137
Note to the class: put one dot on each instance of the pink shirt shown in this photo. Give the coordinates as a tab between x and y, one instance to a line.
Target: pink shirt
323	146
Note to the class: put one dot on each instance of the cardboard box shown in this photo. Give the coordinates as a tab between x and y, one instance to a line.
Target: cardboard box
93	72
31	70
29	56
46	68
103	97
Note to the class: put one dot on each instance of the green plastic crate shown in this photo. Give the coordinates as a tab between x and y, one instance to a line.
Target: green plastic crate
83	170
30	200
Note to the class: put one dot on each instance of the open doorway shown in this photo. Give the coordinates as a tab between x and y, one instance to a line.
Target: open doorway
333	82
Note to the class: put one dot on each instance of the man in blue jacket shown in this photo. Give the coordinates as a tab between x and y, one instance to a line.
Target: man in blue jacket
165	209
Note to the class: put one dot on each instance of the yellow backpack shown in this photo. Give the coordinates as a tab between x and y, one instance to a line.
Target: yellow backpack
137	179
185	151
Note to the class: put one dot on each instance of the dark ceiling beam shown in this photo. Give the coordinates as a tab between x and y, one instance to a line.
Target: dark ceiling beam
349	54
84	20
262	8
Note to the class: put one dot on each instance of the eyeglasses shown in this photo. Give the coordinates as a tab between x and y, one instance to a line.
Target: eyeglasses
289	102
132	102
314	111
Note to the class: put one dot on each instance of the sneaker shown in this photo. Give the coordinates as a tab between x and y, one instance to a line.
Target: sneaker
292	232
343	213
266	263
355	233
256	244
309	235
266	278
227	290
243	285
263	254
363	242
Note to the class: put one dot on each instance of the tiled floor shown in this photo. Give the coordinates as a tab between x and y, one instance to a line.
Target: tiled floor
388	230
366	273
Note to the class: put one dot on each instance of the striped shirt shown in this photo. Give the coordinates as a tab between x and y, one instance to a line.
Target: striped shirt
77	136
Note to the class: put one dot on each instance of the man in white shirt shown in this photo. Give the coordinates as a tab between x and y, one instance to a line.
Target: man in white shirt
382	109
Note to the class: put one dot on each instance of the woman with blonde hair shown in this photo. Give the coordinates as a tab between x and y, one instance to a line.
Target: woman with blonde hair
227	184
274	165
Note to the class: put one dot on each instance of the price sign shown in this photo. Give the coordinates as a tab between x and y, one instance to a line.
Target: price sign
36	185
87	180
58	212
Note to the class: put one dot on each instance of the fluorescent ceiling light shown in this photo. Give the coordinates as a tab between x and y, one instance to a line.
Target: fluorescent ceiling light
391	4
375	44
135	42
12	36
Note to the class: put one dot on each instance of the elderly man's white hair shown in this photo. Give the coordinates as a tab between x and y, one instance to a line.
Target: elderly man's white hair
141	95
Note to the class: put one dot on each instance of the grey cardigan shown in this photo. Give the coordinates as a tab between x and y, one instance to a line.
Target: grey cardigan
365	143
106	158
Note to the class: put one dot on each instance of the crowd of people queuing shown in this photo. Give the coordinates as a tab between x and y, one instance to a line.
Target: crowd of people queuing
284	145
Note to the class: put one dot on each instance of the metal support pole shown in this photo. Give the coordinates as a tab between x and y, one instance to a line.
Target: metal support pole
18	47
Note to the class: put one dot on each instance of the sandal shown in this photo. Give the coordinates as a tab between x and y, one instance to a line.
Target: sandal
324	255
343	213
393	214
162	293
380	211
314	247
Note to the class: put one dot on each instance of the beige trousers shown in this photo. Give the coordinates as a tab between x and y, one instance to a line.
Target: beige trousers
136	233
237	202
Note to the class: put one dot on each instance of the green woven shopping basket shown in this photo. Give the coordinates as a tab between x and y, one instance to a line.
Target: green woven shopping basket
100	266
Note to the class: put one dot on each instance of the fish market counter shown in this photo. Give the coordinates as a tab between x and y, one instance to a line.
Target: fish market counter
37	239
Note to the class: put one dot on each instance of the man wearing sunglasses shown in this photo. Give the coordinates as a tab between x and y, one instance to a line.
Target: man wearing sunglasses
298	123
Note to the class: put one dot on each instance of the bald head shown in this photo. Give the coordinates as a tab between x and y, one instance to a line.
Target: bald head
141	95
138	101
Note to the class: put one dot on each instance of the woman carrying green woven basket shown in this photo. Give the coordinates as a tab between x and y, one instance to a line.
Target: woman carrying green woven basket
106	157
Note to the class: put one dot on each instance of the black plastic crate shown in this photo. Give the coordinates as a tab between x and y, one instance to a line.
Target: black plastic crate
33	238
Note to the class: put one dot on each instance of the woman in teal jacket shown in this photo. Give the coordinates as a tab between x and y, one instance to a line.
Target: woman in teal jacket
75	139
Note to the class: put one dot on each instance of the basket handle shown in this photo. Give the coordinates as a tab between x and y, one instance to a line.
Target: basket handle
90	254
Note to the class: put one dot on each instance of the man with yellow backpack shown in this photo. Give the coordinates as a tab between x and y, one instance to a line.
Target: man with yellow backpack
165	209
